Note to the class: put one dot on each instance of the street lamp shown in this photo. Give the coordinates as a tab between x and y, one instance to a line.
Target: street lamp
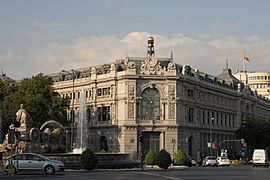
73	74
210	134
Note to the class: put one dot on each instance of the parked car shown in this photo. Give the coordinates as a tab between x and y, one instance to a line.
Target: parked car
223	161
260	158
191	161
31	162
210	161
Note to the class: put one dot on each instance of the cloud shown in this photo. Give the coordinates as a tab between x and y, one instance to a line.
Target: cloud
109	3
6	56
205	52
39	24
35	35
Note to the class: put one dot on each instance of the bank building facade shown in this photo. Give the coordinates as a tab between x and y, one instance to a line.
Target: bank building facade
171	106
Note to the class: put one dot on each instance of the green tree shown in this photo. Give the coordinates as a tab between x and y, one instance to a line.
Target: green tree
38	97
163	159
150	158
256	133
180	158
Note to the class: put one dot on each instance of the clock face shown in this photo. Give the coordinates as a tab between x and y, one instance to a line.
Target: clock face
150	104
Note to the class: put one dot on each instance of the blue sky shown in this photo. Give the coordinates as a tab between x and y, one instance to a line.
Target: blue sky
47	36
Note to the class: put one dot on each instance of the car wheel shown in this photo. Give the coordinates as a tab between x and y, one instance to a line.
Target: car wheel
10	170
49	170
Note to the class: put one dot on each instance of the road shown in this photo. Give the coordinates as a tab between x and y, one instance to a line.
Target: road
193	173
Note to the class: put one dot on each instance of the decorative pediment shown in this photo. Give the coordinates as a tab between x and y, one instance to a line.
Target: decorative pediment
151	67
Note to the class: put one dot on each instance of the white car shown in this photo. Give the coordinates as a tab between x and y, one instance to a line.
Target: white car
210	161
223	161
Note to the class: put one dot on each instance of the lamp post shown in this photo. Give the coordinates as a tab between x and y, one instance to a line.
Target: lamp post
210	135
73	75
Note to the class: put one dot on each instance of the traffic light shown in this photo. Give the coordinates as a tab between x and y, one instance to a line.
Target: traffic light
140	138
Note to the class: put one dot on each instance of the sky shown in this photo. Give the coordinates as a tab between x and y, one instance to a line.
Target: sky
38	36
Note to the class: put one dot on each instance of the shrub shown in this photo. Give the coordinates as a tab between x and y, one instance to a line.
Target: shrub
180	158
150	158
163	159
88	160
103	151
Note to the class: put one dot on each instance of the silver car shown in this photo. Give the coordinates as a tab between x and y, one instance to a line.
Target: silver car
31	162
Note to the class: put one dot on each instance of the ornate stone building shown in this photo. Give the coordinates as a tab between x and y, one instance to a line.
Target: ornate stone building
259	82
173	106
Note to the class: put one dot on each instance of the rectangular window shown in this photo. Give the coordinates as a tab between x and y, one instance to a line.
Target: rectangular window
190	93
190	114
103	91
208	117
203	116
99	113
104	113
99	92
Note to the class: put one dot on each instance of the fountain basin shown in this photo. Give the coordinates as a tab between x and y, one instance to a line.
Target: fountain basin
105	160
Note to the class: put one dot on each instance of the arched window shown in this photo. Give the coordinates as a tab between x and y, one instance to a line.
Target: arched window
150	108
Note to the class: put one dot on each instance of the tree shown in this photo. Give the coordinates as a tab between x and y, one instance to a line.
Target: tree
38	97
150	158
255	132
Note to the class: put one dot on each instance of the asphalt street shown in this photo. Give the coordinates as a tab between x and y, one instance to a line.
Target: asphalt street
193	173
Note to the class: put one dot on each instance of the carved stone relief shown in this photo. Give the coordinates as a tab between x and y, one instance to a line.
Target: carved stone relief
171	95
171	66
131	103
171	110
151	67
131	110
112	68
131	65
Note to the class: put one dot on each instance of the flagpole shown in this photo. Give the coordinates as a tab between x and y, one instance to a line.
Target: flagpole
243	65
245	58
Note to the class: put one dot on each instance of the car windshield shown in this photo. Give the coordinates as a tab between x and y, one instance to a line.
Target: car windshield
211	158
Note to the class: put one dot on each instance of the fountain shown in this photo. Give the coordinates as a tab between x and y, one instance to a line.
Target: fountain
51	140
81	127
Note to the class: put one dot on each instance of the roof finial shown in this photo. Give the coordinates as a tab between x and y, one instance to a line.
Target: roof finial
150	48
171	55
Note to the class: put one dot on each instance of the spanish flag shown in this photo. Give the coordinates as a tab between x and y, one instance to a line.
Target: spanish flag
246	56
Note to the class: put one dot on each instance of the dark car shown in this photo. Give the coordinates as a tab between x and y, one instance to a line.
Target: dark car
31	162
